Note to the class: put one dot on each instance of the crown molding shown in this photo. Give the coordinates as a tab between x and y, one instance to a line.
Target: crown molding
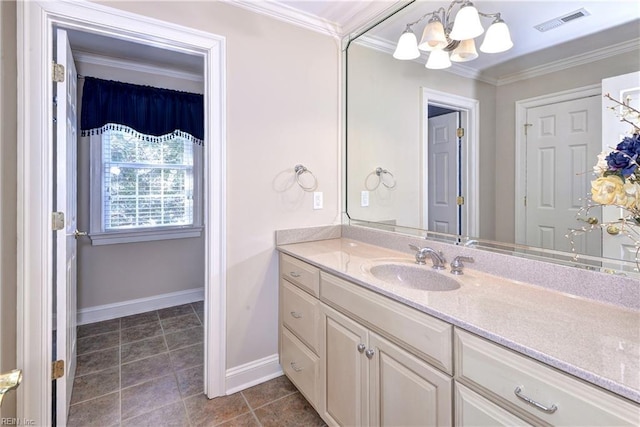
382	45
385	46
101	60
290	15
572	61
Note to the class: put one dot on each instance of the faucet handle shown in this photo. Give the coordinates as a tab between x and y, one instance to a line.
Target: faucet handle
421	256
457	265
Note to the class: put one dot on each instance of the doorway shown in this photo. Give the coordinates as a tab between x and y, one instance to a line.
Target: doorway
462	172
35	182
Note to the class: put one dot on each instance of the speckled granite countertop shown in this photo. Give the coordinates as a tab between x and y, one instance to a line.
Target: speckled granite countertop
597	342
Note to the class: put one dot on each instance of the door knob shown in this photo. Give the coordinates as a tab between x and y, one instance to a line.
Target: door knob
9	381
78	233
614	230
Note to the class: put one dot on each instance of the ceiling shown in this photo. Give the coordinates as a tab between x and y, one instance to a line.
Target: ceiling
342	17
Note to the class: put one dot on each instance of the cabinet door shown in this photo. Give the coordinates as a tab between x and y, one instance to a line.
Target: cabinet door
471	409
345	372
406	391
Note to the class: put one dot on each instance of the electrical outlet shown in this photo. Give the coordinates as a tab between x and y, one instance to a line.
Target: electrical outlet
364	199
317	200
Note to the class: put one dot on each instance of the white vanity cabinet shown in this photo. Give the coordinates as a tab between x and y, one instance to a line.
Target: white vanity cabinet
529	390
300	326
369	381
359	358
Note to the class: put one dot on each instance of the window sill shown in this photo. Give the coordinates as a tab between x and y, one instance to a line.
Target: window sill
147	235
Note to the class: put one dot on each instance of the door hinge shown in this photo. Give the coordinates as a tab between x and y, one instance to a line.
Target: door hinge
57	369
460	132
57	74
526	127
460	200
57	221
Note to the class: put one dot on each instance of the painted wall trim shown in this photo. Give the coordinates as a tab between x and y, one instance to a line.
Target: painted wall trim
101	60
141	305
252	373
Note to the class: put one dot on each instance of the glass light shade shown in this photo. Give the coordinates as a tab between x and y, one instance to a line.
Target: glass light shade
497	39
466	51
433	36
438	59
407	47
466	24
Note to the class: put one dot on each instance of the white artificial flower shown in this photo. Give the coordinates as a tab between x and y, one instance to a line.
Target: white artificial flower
601	167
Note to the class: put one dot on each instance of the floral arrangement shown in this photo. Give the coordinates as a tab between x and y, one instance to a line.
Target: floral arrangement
617	182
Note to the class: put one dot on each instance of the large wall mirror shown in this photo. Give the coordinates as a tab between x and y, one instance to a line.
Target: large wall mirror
409	165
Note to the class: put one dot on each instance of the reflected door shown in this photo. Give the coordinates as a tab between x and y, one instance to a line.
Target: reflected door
563	142
443	173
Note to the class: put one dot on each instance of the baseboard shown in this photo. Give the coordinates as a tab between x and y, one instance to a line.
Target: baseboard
252	373
141	305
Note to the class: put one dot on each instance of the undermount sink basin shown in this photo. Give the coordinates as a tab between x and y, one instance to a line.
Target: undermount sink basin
413	276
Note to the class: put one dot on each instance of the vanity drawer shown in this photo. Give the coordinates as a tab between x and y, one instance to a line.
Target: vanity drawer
301	314
425	336
499	373
300	273
300	365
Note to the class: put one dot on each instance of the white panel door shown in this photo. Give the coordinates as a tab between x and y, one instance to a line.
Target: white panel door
563	142
621	88
66	202
443	183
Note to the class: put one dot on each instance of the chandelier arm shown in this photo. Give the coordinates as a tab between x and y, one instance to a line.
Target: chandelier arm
490	15
425	15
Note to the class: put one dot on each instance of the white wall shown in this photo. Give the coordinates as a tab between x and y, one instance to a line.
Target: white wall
8	197
506	97
384	103
282	109
116	273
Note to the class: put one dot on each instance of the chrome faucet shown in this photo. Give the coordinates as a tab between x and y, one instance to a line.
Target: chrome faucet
457	265
436	257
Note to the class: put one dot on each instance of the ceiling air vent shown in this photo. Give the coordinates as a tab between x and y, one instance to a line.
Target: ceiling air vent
561	20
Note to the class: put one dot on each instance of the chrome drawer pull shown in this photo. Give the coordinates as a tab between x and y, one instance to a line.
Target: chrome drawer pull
295	274
529	401
296	315
295	367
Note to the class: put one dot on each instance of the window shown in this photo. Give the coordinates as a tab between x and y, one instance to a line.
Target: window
147	187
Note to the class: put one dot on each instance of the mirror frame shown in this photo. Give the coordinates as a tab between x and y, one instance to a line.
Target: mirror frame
606	265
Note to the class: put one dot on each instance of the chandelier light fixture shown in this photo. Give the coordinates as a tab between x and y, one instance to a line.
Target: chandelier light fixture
448	38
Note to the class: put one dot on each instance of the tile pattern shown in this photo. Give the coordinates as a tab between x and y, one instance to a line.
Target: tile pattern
147	370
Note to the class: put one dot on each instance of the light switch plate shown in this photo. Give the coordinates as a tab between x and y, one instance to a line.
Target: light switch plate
317	200
364	199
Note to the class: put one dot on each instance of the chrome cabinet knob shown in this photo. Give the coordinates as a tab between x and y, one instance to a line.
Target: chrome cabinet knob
369	353
361	348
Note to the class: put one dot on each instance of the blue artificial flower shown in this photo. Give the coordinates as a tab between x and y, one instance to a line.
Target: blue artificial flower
630	145
621	161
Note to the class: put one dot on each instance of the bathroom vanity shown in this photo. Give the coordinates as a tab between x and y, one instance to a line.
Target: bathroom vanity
365	349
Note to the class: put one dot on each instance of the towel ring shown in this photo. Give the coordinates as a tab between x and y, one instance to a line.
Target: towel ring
301	170
380	172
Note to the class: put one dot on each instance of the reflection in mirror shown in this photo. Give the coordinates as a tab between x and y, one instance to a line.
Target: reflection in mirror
500	179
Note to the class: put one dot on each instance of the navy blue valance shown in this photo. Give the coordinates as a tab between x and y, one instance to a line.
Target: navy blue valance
146	109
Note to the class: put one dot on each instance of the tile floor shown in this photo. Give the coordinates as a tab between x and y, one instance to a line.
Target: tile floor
147	370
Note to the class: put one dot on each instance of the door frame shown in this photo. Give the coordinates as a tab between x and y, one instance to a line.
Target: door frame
35	22
470	120
521	150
